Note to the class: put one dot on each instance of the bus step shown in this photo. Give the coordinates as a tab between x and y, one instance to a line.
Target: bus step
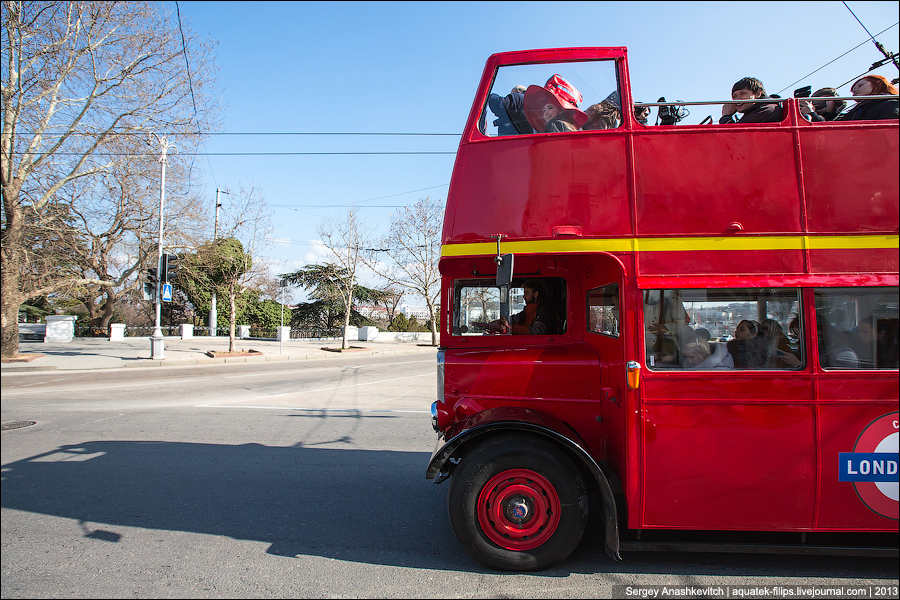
808	550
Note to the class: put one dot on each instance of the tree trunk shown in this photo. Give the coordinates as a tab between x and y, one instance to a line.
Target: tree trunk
10	300
232	319
347	318
9	314
433	320
107	310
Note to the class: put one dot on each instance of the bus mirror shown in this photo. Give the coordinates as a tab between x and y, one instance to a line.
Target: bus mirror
504	270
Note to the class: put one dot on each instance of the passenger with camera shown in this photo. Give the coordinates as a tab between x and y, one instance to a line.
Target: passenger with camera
821	110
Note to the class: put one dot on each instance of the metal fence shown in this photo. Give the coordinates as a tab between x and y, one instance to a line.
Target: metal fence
315	334
259	332
168	330
86	330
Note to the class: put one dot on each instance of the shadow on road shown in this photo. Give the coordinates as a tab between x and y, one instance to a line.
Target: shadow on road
364	506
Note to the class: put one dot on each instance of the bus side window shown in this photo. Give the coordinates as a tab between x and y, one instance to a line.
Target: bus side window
714	329
857	327
603	310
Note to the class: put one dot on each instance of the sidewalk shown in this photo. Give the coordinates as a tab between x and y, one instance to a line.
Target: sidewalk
100	353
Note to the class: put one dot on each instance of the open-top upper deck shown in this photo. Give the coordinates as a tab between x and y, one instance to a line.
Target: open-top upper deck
790	197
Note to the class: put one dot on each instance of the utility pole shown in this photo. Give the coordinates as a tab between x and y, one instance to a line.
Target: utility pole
157	345
281	331
213	315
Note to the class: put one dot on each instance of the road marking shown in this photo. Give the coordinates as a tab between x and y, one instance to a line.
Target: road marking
75	388
41	382
349	385
318	410
342	367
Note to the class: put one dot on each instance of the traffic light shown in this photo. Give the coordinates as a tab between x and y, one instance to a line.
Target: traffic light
169	267
150	283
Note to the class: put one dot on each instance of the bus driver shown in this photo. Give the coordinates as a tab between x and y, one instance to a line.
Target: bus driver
535	319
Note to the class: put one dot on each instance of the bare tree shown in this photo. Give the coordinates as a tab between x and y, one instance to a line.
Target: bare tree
413	246
390	298
120	227
79	78
345	243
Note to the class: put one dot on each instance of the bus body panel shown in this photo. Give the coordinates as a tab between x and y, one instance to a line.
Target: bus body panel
782	205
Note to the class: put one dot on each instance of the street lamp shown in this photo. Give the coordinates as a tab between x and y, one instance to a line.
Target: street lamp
213	314
157	345
281	331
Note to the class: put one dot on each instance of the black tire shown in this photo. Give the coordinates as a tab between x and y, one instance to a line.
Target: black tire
526	463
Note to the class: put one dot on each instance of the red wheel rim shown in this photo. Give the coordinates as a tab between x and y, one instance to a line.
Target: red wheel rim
518	509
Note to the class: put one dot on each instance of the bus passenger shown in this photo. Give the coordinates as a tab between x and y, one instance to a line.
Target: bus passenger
824	110
719	357
872	85
694	353
779	354
510	112
642	114
554	107
750	88
603	115
746	348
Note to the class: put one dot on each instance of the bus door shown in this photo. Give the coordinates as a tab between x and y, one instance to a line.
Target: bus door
728	433
604	288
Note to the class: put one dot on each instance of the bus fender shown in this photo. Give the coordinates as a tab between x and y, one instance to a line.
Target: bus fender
442	460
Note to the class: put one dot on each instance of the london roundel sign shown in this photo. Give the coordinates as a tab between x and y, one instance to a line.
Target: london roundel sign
872	466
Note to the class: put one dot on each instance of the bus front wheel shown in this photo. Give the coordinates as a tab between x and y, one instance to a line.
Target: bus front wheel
518	504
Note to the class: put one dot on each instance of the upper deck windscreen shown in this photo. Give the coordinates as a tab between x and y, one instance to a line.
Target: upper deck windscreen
552	98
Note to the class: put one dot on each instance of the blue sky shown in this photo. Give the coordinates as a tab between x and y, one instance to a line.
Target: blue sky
414	67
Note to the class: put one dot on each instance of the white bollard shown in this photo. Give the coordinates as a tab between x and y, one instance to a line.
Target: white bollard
283	333
60	328
367	334
186	330
117	332
243	331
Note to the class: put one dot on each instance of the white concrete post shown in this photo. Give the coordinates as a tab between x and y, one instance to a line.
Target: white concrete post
283	334
117	332
243	331
186	330
368	333
60	328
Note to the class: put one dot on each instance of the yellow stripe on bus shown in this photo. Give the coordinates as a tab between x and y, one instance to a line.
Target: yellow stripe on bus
671	244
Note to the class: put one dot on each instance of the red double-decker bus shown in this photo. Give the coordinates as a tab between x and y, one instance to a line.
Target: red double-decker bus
698	336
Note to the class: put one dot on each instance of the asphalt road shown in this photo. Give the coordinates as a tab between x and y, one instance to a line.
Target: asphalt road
276	480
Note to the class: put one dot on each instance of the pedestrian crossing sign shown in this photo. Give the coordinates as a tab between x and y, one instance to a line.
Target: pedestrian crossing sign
167	292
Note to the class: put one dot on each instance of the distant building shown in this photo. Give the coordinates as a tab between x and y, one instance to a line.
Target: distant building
373	312
419	312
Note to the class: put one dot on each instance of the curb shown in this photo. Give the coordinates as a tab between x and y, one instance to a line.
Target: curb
206	361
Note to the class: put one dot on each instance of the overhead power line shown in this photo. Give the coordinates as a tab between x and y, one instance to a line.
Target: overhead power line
258	133
878	45
186	63
244	153
360	205
862	43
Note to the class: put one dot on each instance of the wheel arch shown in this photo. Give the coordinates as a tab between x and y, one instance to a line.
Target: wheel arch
441	465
